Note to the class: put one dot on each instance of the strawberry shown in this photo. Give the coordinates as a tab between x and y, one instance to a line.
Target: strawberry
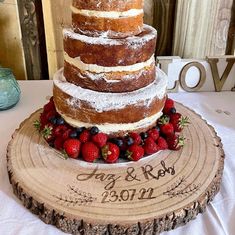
135	152
178	121
59	143
175	142
51	114
49	107
150	146
153	133
100	139
47	133
169	104
90	152
59	130
110	152
43	121
136	137
167	129
85	136
162	144
72	148
66	134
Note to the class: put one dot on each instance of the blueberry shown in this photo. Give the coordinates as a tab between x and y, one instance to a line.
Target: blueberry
73	134
118	142
79	130
53	120
144	135
172	110
60	121
94	130
129	141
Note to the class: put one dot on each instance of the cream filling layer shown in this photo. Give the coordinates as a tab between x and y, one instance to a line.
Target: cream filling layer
108	14
102	69
109	128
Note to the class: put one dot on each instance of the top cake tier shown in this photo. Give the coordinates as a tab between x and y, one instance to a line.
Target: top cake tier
111	19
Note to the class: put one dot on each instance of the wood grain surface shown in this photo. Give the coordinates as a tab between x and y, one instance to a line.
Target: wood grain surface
158	193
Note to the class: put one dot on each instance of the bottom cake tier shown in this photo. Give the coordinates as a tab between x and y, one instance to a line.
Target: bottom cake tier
113	113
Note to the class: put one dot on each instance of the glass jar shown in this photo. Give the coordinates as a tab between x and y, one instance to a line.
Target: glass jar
9	89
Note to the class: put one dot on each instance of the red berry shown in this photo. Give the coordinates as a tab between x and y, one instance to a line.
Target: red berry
66	134
59	130
110	153
150	146
136	137
100	139
178	121
58	143
154	134
168	105
72	147
85	136
162	144
135	152
49	107
43	121
50	114
167	129
90	152
175	142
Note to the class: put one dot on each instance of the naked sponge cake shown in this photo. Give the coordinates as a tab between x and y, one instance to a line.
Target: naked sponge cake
110	100
111	83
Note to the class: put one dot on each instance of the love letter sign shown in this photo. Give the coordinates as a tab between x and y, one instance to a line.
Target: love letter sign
211	74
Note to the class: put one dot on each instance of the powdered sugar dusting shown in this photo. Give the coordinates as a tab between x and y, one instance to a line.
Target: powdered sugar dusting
101	101
132	41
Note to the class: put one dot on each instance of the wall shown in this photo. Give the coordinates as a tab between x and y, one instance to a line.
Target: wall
11	51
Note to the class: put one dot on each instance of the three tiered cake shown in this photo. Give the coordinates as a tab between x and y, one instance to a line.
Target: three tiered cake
109	78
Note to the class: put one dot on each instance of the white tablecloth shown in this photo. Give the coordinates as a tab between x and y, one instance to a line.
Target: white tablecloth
217	108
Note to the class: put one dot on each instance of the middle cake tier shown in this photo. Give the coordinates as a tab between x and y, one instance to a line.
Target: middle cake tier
113	113
90	61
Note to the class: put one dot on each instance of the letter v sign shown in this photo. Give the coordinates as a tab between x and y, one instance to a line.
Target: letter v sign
219	82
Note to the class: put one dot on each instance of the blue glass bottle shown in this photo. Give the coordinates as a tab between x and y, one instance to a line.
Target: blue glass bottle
9	89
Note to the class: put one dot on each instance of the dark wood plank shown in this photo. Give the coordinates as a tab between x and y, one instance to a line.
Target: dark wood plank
33	38
164	16
231	33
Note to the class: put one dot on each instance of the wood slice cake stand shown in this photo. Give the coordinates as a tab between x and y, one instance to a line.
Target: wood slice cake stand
156	194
